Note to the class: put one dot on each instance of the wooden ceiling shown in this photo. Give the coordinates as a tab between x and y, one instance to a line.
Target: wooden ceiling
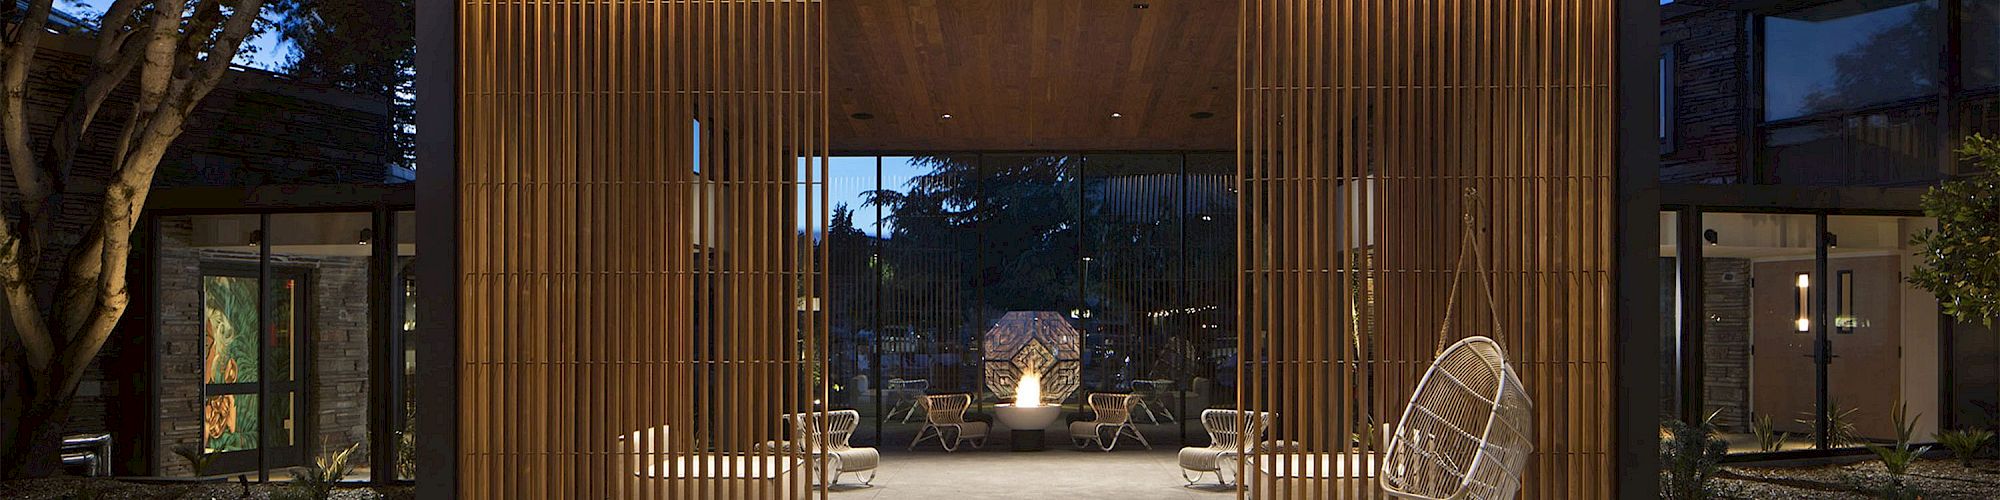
1032	74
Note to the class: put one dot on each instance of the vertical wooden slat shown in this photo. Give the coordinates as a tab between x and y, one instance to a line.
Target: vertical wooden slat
1359	125
607	288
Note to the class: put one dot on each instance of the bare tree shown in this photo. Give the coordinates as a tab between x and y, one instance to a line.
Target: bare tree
179	50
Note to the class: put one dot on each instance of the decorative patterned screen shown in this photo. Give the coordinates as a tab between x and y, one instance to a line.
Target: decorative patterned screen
1362	124
639	302
1033	341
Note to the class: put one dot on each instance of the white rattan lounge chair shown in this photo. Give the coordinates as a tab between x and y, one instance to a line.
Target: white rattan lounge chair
1154	396
905	396
1226	433
1469	428
947	411
1113	411
841	458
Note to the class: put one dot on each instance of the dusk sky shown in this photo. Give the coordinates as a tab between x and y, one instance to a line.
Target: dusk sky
264	51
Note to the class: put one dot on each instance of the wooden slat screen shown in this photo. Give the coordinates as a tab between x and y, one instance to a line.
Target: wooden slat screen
622	272
1362	122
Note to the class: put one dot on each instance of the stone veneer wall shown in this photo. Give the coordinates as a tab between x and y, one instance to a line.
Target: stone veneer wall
1710	123
1725	296
337	332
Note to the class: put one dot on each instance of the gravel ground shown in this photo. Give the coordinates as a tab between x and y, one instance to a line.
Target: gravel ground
65	488
1935	479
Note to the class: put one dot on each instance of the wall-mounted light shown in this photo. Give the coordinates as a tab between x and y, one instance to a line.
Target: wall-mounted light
1711	237
1801	302
256	237
1832	240
367	236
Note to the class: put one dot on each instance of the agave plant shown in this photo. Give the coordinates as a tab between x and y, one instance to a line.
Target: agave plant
1898	457
1964	443
317	481
200	461
1768	439
1839	425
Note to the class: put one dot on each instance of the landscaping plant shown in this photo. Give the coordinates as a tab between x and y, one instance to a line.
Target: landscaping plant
1898	457
200	462
1690	456
1961	257
1964	443
317	481
1768	439
1839	424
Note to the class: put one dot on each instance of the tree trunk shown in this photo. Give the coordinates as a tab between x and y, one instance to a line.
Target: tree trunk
32	447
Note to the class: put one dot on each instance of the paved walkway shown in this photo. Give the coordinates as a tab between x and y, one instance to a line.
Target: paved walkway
1059	472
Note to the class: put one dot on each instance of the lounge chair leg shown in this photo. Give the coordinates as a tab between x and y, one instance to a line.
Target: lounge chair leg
870	482
1191	480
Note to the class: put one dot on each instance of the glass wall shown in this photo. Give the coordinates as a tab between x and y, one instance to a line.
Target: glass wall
1884	336
1809	337
1670	315
1850	93
1134	251
1849	54
285	338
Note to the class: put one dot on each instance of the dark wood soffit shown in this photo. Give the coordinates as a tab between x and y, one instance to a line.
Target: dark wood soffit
1032	74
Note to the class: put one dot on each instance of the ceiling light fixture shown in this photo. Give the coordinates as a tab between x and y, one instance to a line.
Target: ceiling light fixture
1116	114
1142	6
946	116
1201	115
861	116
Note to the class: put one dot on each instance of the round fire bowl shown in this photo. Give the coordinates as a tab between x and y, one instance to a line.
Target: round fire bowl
1027	418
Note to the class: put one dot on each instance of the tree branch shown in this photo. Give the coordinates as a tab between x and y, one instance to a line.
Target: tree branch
82	290
117	54
21	305
29	179
133	179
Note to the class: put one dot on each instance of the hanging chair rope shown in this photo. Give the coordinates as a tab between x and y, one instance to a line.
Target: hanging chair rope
1467	243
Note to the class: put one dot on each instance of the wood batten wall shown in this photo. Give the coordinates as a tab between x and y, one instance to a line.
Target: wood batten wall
619	272
1362	123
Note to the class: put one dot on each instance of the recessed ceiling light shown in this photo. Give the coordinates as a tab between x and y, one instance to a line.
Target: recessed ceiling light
1142	6
1115	114
1201	115
946	116
861	116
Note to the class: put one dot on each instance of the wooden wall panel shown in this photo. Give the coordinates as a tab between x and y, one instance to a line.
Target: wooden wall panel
1361	124
620	273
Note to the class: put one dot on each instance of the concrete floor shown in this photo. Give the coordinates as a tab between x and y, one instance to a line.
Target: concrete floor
1058	472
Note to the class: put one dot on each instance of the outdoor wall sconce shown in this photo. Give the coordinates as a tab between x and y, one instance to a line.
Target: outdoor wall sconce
256	237
367	235
1801	301
1710	236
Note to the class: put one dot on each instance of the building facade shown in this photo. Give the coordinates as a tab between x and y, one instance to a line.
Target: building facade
275	181
1796	140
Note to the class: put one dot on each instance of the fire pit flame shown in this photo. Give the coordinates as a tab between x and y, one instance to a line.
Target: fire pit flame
1028	393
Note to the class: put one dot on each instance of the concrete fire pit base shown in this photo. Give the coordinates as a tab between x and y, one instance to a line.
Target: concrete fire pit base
1027	422
1028	440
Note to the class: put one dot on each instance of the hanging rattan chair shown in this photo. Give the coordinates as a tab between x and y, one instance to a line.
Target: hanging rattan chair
1468	430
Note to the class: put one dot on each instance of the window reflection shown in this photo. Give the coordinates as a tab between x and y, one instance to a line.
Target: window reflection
1848	54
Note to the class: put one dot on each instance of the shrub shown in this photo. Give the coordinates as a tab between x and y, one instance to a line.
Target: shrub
1690	456
1964	443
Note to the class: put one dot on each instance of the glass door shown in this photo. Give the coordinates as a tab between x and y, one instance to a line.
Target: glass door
250	374
1759	375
